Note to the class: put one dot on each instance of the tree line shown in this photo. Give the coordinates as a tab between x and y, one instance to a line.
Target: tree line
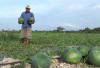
86	30
62	29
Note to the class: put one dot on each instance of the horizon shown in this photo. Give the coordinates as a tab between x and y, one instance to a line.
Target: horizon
49	14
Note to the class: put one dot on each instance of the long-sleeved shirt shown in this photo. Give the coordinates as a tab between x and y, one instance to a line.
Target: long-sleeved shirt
25	16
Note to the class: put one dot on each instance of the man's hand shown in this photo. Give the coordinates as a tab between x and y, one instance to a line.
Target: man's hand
19	22
31	22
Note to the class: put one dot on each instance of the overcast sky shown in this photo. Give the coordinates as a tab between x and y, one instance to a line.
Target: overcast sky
71	14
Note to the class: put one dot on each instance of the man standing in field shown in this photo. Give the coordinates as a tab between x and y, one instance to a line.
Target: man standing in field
26	26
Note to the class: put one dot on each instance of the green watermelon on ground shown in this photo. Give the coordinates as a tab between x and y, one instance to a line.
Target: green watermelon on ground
71	55
84	50
41	60
95	48
94	56
50	51
1	57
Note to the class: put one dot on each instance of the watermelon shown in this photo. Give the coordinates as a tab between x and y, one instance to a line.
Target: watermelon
66	49
50	51
71	55
94	56
74	46
41	60
20	20
31	19
1	57
64	52
84	50
95	48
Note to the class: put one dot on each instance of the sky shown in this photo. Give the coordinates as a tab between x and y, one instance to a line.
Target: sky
49	14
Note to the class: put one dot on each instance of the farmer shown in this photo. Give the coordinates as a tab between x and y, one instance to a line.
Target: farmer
26	27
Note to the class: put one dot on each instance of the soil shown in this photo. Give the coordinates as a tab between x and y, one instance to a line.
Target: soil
57	62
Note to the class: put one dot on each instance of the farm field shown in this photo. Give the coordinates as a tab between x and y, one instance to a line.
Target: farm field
11	45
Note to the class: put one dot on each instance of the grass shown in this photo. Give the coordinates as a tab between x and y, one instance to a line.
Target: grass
11	46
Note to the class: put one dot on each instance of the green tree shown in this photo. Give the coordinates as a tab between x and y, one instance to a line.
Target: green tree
88	30
60	28
96	30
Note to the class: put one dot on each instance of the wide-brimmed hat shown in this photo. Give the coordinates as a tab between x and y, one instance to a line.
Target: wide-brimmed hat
27	6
